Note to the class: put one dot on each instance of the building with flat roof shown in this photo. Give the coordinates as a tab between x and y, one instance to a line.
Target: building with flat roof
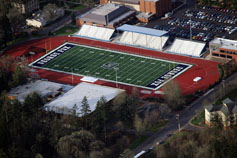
108	15
39	19
64	104
151	7
224	48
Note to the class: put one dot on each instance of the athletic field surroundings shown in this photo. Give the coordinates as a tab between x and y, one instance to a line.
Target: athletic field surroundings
112	66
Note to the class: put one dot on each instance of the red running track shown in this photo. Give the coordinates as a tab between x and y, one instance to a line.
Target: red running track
206	69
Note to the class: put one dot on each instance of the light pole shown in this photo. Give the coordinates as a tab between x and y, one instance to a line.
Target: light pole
177	117
223	86
72	75
31	55
190	25
116	76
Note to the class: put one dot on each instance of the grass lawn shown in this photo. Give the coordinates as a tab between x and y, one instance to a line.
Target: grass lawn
176	135
128	69
232	95
139	140
66	30
75	7
199	120
18	40
156	127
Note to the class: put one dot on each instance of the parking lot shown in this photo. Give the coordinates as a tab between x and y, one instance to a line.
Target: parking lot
206	23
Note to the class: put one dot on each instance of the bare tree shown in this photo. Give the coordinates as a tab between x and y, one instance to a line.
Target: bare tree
173	95
138	124
17	20
127	153
79	144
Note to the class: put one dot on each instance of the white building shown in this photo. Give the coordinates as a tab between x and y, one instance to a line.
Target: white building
39	20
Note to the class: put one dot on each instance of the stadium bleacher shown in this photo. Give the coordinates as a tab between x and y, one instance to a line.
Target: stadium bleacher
143	40
187	47
95	32
143	37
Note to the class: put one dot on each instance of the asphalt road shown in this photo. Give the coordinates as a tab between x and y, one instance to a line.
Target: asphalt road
186	115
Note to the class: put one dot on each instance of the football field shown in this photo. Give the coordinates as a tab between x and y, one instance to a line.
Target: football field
112	66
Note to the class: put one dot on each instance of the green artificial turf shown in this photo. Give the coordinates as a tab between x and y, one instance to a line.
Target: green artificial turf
131	69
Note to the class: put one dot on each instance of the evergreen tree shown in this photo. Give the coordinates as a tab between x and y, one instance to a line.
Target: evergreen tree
99	118
85	110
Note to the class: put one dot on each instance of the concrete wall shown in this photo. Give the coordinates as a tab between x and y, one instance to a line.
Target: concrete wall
132	6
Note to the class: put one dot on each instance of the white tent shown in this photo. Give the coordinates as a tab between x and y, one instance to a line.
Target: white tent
95	32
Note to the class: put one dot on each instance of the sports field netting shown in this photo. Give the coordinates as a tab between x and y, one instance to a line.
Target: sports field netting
108	65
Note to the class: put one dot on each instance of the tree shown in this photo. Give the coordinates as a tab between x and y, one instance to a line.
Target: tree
5	32
216	122
4	7
188	149
173	95
19	77
17	20
203	152
165	151
85	110
126	110
32	104
127	153
49	11
78	144
138	124
99	118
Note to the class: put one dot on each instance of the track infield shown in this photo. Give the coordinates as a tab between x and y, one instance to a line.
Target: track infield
108	65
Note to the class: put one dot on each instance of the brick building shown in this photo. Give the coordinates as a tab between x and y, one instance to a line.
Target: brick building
25	6
224	48
147	8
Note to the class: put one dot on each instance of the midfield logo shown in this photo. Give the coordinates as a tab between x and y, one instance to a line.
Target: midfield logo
110	65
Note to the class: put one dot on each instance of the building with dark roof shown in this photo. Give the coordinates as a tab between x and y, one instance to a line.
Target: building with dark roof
25	6
148	8
109	15
227	112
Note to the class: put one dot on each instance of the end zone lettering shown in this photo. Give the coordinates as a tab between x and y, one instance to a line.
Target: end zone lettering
170	74
52	55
